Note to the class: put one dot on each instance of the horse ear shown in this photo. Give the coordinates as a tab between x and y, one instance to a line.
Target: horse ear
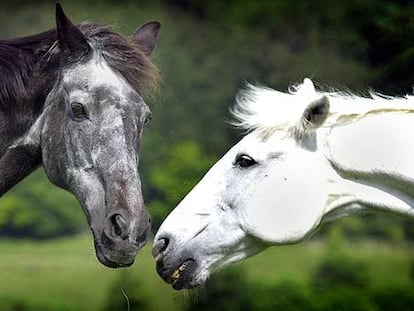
146	36
308	86
70	38
315	114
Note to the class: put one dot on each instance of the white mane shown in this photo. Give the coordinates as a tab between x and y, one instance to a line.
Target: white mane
267	110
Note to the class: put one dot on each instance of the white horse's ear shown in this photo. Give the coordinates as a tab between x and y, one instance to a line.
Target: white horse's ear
308	86
314	115
316	112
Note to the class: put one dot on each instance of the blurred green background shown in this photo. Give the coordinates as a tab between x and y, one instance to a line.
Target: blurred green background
207	51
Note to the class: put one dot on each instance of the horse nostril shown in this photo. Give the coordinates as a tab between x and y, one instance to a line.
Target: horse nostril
160	246
143	236
119	225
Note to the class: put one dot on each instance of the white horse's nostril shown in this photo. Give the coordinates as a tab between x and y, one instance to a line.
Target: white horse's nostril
159	247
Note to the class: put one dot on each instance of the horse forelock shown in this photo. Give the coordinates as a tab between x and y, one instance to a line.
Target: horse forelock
267	111
123	56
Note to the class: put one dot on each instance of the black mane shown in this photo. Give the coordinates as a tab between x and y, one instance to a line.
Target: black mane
24	71
29	65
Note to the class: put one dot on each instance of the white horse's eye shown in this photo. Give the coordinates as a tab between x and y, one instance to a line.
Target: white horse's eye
244	161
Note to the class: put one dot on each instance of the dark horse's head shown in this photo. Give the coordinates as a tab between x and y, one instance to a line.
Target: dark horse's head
90	130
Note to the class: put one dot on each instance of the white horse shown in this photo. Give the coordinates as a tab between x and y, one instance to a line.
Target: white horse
309	157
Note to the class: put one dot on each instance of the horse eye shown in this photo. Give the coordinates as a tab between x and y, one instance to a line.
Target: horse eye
243	161
78	111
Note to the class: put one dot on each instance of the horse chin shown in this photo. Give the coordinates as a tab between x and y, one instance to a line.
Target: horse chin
111	264
112	259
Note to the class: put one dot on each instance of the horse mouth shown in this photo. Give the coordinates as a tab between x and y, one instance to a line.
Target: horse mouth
109	263
182	275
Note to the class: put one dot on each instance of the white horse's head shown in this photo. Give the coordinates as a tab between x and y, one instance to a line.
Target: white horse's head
274	187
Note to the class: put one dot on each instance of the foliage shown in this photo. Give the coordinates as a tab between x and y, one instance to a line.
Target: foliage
339	271
287	295
225	291
394	298
340	284
343	285
380	32
32	209
177	172
378	226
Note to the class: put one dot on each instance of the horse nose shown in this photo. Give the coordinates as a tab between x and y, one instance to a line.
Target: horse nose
135	231
159	248
117	227
144	231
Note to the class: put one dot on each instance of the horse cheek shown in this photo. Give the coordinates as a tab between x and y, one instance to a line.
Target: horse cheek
284	207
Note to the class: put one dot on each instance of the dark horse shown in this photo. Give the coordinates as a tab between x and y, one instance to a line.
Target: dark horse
70	100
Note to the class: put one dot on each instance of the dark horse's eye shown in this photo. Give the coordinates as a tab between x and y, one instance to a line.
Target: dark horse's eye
243	161
78	111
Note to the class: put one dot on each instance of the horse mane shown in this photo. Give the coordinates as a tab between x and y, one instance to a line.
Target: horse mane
267	111
123	56
21	67
28	65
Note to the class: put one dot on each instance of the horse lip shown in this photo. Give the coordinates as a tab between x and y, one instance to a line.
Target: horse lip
182	274
109	263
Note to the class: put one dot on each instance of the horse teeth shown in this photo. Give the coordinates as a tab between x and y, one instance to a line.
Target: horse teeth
177	273
158	257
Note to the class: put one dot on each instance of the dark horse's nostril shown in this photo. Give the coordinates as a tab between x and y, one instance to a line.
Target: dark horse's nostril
119	225
159	246
143	234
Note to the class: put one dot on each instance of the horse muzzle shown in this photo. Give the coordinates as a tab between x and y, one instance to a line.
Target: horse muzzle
120	240
180	270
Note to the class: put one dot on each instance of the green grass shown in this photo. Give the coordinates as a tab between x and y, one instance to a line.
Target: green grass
64	274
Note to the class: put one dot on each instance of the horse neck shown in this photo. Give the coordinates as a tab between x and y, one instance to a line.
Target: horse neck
349	196
26	77
372	165
20	151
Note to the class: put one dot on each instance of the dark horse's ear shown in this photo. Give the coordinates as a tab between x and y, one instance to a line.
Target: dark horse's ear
70	38
146	36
